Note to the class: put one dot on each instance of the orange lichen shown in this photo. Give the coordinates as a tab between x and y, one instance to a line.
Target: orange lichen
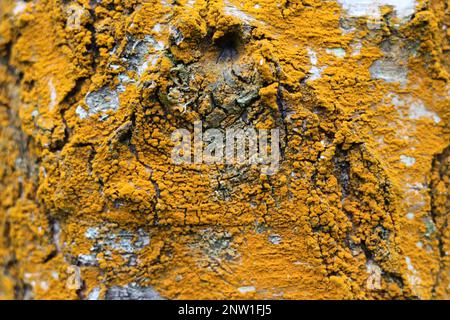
91	203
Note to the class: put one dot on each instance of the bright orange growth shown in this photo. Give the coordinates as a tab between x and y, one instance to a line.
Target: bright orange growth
90	203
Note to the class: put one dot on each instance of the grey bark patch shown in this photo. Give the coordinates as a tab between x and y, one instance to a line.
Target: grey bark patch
216	246
274	239
247	98
87	259
94	294
246	289
102	100
389	71
132	292
137	53
176	36
127	243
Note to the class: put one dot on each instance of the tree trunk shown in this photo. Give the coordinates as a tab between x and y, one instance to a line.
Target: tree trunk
93	205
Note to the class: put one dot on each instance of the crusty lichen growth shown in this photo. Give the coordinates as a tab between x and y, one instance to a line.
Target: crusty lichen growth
92	207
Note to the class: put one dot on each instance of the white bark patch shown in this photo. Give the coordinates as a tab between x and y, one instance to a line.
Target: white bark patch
275	239
81	113
407	161
157	28
166	4
315	71
412	276
132	292
102	100
389	71
312	56
92	233
374	279
356	49
44	285
19	7
75	13
418	110
87	259
53	95
338	52
231	10
94	294
246	289
371	8
74	278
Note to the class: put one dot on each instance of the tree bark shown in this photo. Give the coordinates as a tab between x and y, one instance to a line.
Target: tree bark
92	205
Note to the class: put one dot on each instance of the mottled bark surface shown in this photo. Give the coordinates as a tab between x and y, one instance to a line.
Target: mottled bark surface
93	207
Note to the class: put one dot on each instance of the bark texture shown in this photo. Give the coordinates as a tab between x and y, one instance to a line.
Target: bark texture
92	207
